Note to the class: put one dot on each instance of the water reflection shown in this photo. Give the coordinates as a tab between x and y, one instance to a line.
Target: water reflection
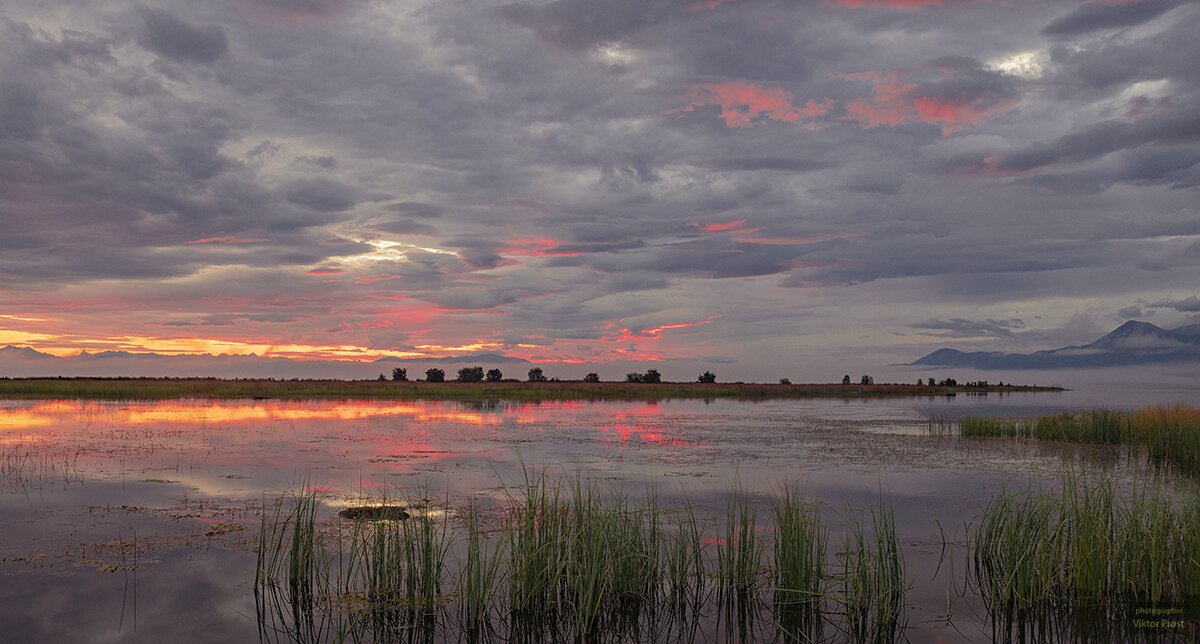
76	471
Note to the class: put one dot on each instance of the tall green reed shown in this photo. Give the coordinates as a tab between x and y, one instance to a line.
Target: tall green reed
873	579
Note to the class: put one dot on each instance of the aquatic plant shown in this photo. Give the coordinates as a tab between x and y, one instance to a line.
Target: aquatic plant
1084	546
738	550
572	562
873	579
1169	434
798	564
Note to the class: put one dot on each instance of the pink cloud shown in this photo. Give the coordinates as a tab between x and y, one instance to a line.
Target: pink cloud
721	227
957	113
894	103
226	240
741	103
891	4
537	247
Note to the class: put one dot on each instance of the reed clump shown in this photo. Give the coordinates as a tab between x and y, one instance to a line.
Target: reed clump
573	561
873	578
1084	546
1170	435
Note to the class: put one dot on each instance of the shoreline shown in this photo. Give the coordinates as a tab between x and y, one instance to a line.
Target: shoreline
133	388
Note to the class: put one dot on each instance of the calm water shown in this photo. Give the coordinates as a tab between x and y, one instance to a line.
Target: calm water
137	521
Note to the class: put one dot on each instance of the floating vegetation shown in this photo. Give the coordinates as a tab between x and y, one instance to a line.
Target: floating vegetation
1170	435
578	562
375	513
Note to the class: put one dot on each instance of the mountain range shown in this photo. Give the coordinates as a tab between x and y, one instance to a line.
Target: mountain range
1132	343
25	361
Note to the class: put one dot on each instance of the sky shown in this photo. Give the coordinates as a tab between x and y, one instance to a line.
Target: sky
763	188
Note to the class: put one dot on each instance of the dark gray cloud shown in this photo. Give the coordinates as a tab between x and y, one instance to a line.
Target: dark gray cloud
1190	304
325	195
973	328
325	162
578	24
1094	16
403	226
416	209
176	40
781	164
1135	312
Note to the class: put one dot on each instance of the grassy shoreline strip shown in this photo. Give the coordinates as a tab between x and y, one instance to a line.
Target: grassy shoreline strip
168	388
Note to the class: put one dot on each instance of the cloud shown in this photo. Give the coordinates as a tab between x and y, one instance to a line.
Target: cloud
753	164
742	103
891	4
1134	312
965	94
1096	16
958	327
416	209
178	41
321	194
661	165
579	24
1190	304
1147	148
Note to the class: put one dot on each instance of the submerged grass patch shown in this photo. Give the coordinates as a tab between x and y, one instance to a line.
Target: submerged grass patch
1169	434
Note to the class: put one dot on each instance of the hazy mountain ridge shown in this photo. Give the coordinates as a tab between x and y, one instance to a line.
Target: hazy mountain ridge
1132	343
26	362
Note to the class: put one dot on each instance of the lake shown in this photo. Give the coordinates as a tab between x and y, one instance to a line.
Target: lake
139	521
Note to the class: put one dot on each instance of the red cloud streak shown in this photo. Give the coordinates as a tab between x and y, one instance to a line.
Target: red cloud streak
741	103
891	4
895	103
226	240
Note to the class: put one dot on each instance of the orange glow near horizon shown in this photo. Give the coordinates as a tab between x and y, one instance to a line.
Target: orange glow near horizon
612	345
236	412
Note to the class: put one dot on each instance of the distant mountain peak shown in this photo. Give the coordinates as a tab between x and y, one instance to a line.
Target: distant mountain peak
1134	342
24	352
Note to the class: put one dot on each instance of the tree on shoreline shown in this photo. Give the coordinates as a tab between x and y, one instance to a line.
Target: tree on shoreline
707	377
400	374
536	375
494	375
470	374
435	375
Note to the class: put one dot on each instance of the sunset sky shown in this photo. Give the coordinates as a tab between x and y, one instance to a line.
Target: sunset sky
762	187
